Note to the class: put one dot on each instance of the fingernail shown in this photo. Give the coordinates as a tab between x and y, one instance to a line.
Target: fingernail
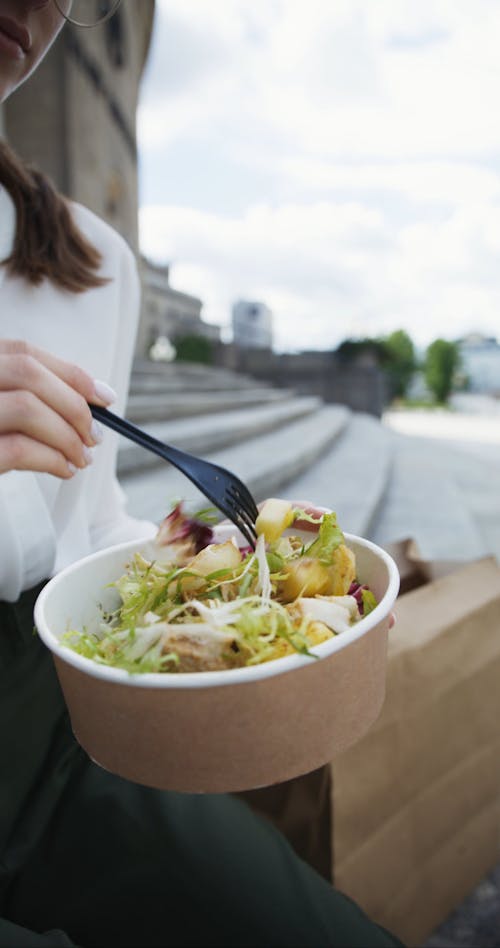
104	392
96	432
87	454
72	468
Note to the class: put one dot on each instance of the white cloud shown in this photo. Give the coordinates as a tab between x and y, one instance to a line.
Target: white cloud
427	181
369	130
329	270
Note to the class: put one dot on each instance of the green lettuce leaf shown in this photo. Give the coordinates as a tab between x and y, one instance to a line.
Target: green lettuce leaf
369	601
329	537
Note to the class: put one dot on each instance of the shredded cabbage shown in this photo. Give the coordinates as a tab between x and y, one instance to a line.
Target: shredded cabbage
217	607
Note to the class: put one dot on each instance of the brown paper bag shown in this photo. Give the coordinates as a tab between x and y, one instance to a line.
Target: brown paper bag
416	803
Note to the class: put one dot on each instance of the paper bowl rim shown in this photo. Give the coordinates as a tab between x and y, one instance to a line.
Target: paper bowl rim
209	679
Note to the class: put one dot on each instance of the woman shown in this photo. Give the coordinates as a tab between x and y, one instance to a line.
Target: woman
85	857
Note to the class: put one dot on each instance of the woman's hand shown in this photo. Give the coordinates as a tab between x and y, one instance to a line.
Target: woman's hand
45	421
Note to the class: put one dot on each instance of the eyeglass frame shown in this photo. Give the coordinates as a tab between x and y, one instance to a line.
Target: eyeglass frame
107	16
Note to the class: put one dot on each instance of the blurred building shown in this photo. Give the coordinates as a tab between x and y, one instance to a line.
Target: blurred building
77	121
252	325
167	313
480	357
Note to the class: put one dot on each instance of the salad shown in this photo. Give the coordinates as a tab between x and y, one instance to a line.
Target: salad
200	605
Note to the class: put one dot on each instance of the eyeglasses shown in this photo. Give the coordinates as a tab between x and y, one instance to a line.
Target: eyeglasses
87	13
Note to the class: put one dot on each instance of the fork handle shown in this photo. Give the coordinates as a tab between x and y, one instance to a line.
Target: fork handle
178	458
189	465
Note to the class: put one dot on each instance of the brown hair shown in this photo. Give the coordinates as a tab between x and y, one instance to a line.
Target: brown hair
47	243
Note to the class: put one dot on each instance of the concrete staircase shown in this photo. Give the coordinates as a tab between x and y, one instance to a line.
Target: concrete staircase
267	436
187	389
270	437
383	485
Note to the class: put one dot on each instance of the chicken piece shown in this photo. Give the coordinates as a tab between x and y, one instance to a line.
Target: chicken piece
197	655
335	612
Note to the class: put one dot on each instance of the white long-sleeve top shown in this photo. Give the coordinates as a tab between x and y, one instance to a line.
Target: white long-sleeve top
47	523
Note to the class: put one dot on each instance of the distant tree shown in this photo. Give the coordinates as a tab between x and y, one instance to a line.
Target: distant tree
193	349
352	350
400	361
395	354
442	360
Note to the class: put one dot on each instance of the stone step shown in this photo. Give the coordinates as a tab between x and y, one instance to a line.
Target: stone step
215	431
265	463
352	477
150	376
148	384
143	408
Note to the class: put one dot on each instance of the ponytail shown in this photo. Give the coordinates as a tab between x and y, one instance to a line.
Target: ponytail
47	243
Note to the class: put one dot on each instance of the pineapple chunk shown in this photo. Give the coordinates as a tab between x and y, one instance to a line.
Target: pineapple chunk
342	571
214	557
308	576
305	577
275	516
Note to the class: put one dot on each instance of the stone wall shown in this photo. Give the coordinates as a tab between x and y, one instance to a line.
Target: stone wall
76	120
360	384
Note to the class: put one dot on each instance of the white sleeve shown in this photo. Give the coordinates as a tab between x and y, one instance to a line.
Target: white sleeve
114	524
46	523
28	540
109	522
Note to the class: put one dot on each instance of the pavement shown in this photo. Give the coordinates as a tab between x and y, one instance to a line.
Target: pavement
472	421
475	923
472	426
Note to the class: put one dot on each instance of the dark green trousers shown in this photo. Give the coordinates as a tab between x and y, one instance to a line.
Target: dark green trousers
89	859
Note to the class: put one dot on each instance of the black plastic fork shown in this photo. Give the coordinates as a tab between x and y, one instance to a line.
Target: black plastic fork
223	488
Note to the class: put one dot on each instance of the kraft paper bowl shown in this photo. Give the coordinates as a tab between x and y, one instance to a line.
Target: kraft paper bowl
218	731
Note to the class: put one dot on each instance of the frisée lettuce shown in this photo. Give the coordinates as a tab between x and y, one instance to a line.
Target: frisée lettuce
200	605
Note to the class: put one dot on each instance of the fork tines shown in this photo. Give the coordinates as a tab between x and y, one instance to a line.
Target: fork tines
244	501
244	513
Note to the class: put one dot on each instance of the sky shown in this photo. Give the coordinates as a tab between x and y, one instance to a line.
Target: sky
338	160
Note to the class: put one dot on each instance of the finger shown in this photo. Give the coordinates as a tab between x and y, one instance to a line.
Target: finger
312	511
21	412
74	409
309	507
20	453
92	390
22	372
